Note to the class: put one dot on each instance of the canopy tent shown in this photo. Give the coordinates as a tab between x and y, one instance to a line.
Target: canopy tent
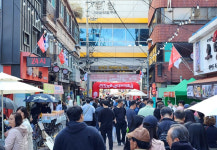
179	90
136	92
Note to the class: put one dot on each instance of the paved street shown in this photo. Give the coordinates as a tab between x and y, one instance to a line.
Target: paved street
115	147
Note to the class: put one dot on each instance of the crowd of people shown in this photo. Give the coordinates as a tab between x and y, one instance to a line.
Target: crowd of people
138	126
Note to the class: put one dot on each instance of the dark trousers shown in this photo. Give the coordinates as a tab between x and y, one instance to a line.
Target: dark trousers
89	123
109	135
121	127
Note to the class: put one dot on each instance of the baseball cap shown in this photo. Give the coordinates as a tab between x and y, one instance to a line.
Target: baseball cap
151	120
140	134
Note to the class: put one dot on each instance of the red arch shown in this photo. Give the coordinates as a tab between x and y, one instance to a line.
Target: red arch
110	85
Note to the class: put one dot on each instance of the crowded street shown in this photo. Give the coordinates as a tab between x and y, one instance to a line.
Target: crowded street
108	75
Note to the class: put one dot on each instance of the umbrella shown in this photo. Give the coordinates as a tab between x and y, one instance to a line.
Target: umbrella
10	85
41	98
8	103
7	77
135	92
208	106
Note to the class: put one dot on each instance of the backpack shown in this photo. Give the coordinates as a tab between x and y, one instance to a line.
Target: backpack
163	137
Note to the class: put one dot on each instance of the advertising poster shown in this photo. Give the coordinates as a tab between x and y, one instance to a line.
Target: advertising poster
197	91
190	91
197	55
214	89
206	91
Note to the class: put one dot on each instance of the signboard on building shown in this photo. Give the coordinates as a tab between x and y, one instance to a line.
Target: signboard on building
52	89
38	62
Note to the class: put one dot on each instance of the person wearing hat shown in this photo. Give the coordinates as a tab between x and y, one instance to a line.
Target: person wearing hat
150	123
139	139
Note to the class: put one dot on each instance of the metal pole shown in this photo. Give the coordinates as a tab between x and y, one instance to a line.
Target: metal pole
148	74
87	49
3	138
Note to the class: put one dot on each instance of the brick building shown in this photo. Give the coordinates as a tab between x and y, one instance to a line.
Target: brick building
172	26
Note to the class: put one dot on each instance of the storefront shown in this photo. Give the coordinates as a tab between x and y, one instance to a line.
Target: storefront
205	57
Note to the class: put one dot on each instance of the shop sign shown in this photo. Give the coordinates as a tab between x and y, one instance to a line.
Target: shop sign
38	62
52	89
169	94
56	69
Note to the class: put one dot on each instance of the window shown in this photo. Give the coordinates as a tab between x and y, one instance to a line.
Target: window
53	3
26	38
67	20
51	46
61	10
115	37
0	4
34	39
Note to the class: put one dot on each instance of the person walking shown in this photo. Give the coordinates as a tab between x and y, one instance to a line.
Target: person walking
178	138
105	118
164	125
121	124
77	135
16	137
24	113
130	113
88	111
148	109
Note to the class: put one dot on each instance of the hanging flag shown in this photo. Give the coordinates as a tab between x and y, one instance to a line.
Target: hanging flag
43	43
61	57
175	59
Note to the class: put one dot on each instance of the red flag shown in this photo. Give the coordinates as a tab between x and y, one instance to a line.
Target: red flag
174	58
41	43
61	57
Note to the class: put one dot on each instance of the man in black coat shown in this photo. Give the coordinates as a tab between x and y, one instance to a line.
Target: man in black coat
178	138
77	135
164	125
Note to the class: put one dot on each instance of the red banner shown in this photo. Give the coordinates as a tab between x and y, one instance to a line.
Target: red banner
169	94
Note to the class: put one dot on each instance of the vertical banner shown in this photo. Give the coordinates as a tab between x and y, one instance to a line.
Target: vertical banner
197	55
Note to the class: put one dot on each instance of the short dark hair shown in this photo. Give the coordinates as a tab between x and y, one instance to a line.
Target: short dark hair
169	101
87	101
24	110
106	102
120	101
132	103
18	119
166	110
179	114
179	131
150	102
182	102
74	113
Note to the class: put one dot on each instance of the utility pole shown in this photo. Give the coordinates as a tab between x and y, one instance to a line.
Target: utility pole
149	41
87	51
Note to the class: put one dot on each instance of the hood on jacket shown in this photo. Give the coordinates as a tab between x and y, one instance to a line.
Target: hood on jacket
22	129
181	145
74	127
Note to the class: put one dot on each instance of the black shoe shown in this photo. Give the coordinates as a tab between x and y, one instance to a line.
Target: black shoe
119	144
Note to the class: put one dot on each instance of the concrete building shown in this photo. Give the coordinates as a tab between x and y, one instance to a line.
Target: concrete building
118	33
171	23
22	24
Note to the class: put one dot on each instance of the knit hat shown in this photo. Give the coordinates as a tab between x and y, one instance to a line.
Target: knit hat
140	134
151	120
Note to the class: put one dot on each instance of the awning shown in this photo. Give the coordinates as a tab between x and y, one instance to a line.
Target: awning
206	80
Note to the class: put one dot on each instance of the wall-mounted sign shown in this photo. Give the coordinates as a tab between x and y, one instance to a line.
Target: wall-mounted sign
56	68
38	62
65	71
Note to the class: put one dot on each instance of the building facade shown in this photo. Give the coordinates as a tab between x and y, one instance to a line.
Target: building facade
22	25
170	24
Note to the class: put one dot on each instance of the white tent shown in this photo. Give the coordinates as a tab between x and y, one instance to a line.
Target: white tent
10	85
208	106
135	92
